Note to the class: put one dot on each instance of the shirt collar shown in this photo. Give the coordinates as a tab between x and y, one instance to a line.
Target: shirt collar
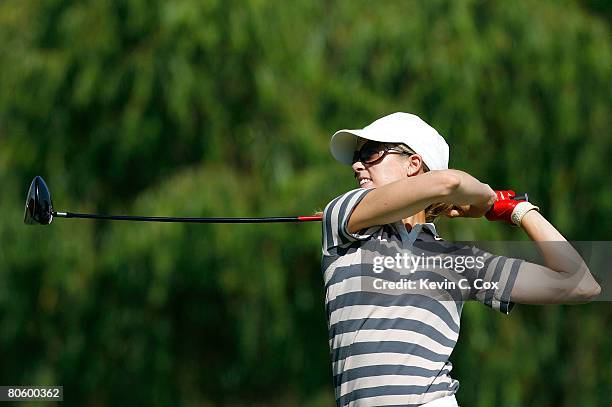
410	237
431	227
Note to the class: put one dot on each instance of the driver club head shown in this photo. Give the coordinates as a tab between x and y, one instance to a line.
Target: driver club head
38	206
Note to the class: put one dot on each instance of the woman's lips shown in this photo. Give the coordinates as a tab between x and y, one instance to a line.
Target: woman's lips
365	182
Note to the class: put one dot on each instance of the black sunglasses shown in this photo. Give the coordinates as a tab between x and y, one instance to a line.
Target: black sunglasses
374	151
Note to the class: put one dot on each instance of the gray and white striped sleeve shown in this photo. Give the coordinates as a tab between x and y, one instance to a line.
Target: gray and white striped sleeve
495	280
336	216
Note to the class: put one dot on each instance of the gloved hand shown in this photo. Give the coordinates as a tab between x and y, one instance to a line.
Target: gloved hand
503	207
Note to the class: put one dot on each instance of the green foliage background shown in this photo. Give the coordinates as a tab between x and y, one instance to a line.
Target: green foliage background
225	108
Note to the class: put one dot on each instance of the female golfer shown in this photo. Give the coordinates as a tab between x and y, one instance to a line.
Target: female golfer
395	289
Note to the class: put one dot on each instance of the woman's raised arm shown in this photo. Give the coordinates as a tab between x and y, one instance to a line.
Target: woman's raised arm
406	197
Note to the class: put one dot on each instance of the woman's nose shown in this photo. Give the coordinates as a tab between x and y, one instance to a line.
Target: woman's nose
358	166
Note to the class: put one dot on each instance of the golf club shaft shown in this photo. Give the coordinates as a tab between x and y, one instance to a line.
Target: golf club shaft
275	219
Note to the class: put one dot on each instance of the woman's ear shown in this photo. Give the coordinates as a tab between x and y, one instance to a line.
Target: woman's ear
414	165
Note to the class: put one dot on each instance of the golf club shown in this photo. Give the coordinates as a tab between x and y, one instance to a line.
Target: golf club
39	210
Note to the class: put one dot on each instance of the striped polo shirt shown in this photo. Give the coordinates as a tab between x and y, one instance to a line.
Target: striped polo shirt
393	315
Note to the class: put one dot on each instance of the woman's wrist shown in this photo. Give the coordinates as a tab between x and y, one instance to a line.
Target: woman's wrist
528	218
539	229
521	210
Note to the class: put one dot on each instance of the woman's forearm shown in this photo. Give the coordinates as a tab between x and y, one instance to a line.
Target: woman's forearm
404	198
539	229
401	199
560	256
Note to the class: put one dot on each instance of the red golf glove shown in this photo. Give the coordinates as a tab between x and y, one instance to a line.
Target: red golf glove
503	207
